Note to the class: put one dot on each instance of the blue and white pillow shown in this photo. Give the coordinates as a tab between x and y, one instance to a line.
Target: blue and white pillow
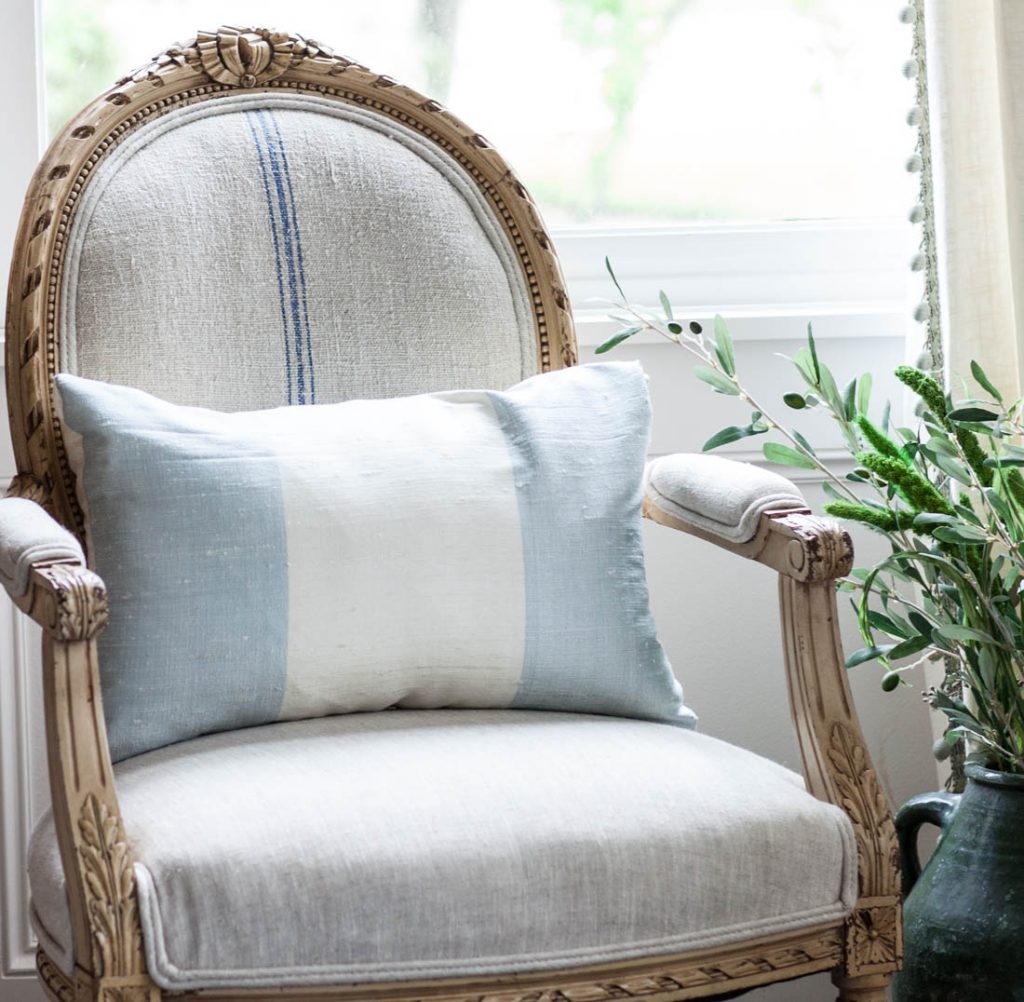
469	548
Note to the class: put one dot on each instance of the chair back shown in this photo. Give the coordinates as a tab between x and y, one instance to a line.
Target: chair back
252	221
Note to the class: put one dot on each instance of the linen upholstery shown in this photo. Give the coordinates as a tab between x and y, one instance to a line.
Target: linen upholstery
469	548
259	249
720	496
457	842
28	535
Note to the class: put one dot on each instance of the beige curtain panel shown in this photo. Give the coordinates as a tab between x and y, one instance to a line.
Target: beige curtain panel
976	79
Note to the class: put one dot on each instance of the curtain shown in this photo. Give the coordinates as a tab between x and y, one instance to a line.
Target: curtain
975	78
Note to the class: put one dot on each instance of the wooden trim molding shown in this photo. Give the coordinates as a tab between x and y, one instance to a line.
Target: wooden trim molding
695	975
56	984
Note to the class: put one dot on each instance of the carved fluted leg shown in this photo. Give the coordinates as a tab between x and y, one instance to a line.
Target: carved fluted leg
867	988
97	860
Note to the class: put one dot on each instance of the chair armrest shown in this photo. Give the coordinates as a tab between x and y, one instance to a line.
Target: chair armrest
718	496
30	536
42	567
748	511
762	516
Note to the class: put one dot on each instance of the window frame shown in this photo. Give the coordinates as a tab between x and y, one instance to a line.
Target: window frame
844	275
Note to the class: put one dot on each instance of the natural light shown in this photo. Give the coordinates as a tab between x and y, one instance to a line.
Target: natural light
614	112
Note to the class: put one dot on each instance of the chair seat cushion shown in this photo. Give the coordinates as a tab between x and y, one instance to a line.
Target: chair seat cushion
413	844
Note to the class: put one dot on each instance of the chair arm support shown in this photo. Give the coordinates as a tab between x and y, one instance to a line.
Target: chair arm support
751	512
761	516
42	566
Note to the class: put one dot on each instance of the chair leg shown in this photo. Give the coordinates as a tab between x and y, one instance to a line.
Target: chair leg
866	988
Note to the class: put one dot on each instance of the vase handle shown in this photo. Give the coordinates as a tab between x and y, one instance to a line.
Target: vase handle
928	808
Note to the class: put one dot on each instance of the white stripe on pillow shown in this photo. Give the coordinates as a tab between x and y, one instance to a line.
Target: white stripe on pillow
380	505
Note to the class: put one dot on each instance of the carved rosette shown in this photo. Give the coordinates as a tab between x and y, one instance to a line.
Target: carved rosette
875	939
80	601
106	867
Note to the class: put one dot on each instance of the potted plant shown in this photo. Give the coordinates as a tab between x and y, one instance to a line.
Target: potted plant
948	496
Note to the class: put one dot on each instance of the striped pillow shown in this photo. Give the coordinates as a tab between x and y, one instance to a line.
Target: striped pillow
469	548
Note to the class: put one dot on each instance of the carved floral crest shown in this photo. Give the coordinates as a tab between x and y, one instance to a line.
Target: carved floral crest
238	57
244	57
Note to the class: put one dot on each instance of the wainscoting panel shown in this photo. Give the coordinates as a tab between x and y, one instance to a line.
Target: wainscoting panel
23	793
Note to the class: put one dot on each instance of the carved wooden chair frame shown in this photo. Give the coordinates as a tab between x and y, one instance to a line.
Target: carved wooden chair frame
69	601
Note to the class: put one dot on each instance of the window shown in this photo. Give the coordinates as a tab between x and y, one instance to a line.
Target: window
631	113
711	147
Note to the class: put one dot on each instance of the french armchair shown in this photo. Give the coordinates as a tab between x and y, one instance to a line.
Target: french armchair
110	280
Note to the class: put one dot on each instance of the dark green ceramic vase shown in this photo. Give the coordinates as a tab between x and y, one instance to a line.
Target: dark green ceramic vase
964	915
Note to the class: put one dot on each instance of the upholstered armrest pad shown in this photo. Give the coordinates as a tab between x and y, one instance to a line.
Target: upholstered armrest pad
29	536
719	496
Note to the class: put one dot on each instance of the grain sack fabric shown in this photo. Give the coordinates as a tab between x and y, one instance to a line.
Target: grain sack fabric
470	548
266	249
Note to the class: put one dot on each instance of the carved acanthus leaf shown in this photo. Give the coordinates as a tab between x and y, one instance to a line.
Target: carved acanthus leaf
29	487
80	601
111	898
861	796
